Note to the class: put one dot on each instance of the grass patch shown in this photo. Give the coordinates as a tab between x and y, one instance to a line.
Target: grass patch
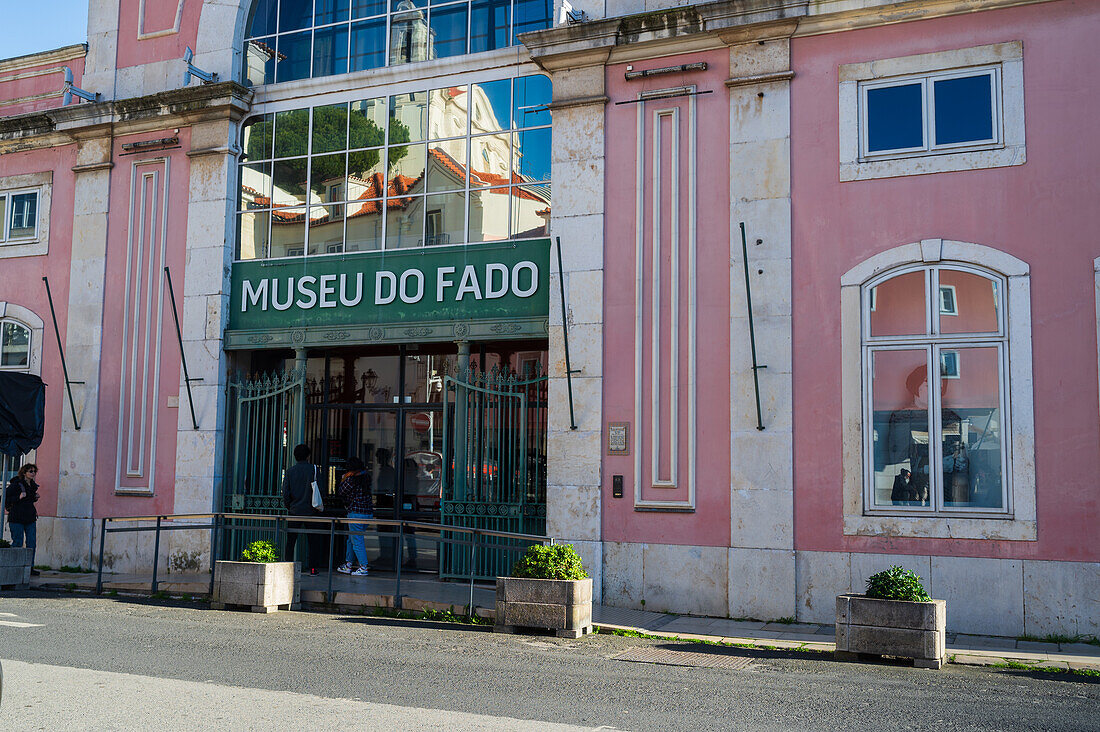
1038	667
160	595
1060	639
701	641
789	620
71	586
43	566
112	593
438	616
75	570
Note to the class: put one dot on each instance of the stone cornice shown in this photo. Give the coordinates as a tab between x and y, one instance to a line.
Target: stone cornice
179	108
31	60
728	22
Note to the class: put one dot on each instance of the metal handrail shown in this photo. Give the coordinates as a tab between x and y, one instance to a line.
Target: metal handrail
218	524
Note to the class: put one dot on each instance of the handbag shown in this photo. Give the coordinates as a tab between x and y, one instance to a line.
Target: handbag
318	503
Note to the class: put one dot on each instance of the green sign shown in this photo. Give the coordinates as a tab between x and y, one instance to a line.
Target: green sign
474	282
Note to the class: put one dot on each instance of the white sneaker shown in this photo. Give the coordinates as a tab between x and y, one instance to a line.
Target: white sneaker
344	568
361	572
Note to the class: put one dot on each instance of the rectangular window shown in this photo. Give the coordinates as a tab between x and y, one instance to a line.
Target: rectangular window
19	212
949	364
931	113
948	306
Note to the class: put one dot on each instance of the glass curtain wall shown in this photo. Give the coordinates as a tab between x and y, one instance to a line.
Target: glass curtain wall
459	164
287	40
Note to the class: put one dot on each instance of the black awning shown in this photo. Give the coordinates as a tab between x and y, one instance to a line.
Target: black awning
22	413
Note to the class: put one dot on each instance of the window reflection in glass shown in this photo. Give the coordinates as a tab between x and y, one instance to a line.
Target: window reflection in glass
327	177
490	160
292	61
364	226
410	39
367	124
330	11
447	165
252	229
530	97
531	15
330	129
330	51
447	112
326	229
262	17
365	179
491	104
256	137
976	301
259	61
295	14
489	214
288	232
530	211
448	30
408	117
368	45
367	8
900	427
255	186
532	154
289	182
405	223
406	164
970	425
15	342
489	21
291	133
445	219
899	305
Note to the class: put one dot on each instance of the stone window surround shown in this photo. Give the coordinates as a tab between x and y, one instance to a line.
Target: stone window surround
40	244
37	327
1022	526
1011	151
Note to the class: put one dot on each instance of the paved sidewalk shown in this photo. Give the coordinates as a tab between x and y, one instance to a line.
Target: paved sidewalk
424	591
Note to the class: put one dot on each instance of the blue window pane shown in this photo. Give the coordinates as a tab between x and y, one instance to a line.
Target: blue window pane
368	44
294	56
491	103
367	8
330	51
295	14
449	30
489	24
330	11
964	109
532	154
532	15
532	94
895	120
261	21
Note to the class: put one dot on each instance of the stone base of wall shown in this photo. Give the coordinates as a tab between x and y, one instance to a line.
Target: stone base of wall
1027	597
74	542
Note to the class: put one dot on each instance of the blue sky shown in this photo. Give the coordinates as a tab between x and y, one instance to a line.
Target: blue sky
40	25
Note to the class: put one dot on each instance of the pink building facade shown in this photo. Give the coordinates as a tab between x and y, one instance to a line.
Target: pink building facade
898	365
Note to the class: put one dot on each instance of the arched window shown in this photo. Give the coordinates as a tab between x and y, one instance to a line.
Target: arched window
286	40
935	371
15	345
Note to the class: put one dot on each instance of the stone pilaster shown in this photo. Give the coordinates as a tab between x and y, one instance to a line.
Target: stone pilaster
761	562
574	455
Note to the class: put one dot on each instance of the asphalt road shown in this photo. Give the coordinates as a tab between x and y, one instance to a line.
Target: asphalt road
77	662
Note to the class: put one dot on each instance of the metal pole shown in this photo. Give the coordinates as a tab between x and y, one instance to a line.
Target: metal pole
156	553
752	331
183	357
99	572
301	359
331	544
397	564
473	559
214	550
61	350
565	338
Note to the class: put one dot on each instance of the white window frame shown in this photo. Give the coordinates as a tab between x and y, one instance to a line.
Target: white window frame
928	113
935	344
1017	363
957	373
14	185
30	344
1006	148
954	309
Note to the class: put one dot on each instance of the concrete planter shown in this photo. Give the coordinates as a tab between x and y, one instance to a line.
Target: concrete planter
915	630
564	606
15	567
260	587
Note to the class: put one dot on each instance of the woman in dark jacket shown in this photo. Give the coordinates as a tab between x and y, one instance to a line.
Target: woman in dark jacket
22	493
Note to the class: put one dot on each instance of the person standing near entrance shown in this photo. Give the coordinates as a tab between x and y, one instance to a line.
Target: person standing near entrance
354	491
22	494
298	499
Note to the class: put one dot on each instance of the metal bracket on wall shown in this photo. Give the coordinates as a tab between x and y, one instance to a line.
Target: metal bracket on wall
752	331
61	350
565	337
183	358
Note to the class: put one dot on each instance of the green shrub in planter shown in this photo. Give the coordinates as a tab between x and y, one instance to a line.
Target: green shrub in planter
260	551
896	584
560	562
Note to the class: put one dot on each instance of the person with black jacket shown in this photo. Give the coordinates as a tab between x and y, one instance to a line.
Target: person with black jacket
22	494
298	499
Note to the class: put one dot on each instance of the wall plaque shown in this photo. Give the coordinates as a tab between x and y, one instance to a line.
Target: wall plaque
618	438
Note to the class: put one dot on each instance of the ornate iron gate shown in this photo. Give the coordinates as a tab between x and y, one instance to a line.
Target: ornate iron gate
494	459
265	422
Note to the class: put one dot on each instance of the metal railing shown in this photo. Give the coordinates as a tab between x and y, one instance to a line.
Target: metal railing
474	538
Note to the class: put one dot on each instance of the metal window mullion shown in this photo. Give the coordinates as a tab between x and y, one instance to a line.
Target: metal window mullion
932	308
929	114
6	198
1005	421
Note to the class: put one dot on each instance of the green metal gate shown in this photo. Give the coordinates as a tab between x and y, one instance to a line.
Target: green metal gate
494	458
265	421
